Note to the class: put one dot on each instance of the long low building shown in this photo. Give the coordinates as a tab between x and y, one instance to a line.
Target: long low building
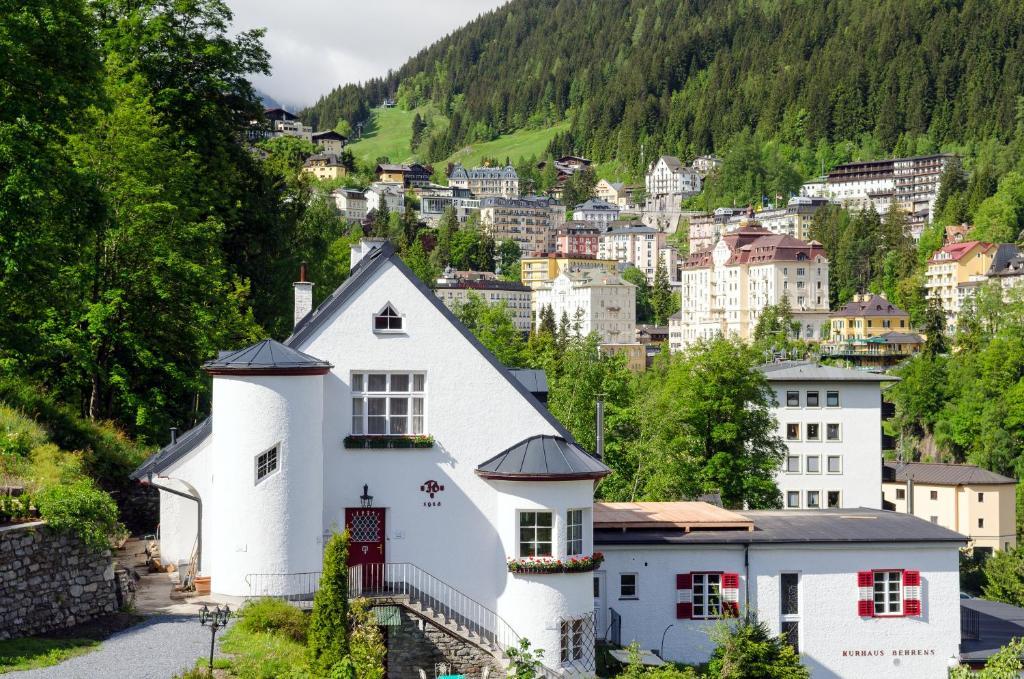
858	592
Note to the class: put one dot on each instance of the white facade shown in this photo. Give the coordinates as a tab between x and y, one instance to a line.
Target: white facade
596	211
472	408
835	641
392	194
486	182
667	176
595	300
351	203
454	290
831	421
637	245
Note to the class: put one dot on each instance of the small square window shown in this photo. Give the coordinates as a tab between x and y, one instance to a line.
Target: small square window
793	399
832	431
834	498
813	431
266	464
933	495
813	464
793	499
835	464
934	519
792	432
832	399
812	399
813	499
627	586
793	464
901	493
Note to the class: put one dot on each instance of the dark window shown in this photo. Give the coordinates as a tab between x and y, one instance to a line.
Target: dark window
832	399
813	432
387	319
934	495
981	523
981	497
793	399
901	493
812	399
833	499
266	463
832	432
791	632
627	586
793	432
535	534
790	594
888	592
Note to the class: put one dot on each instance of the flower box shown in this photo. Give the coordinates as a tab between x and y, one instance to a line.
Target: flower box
389	441
544	566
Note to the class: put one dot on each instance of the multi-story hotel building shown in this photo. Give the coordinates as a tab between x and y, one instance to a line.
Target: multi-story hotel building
577	238
953	267
594	301
529	221
634	243
725	289
486	182
596	210
351	203
455	287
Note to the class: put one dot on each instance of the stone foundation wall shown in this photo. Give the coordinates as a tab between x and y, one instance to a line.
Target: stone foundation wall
50	581
418	644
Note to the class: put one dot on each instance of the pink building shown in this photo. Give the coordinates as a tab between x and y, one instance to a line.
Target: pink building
578	238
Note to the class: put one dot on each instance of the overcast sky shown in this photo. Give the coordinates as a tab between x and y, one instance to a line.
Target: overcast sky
316	45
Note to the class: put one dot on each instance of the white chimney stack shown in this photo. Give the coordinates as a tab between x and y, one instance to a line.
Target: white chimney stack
364	247
303	295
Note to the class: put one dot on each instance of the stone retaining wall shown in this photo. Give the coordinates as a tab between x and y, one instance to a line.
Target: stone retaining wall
418	644
50	581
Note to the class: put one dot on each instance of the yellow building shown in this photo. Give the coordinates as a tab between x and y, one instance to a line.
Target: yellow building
962	497
866	316
955	265
635	353
540	270
324	166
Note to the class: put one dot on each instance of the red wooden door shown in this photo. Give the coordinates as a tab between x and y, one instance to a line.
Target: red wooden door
366	544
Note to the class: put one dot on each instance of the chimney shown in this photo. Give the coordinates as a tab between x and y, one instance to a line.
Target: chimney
364	247
174	435
303	295
599	453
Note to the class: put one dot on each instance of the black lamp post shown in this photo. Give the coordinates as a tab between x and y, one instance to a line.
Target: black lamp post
216	619
366	500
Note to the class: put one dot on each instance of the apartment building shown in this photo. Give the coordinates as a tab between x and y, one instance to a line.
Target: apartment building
962	497
434	200
529	221
862	185
792	220
831	421
706	229
577	238
633	243
594	301
330	141
324	166
705	165
455	287
409	176
724	289
669	181
615	193
544	268
351	203
916	186
952	270
597	211
486	182
391	194
283	123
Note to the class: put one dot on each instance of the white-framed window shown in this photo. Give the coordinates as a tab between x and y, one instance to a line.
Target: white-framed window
792	464
535	529
388	320
834	499
792	399
812	399
386	404
888	592
835	464
793	499
628	586
574	532
793	431
832	431
814	499
789	606
831	399
266	464
813	464
707	595
813	431
572	636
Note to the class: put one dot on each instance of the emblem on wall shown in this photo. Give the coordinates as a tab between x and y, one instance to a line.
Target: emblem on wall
431	488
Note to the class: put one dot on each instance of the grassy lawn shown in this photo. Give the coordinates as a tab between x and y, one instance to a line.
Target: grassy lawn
260	655
31	653
519	144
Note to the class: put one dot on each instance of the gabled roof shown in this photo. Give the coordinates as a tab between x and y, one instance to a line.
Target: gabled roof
806	371
542	458
268	357
957	251
941	474
673	163
329	134
869	305
1003	258
362	272
171	453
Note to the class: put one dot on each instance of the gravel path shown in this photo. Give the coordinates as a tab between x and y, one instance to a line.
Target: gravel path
158	648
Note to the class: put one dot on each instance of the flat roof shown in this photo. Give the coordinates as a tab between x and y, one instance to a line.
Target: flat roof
684	515
806	371
815	526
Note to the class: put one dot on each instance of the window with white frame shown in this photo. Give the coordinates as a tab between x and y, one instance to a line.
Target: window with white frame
574	532
835	464
888	592
535	534
707	595
386	404
793	464
813	499
628	586
266	464
793	499
832	431
789	607
388	320
572	636
813	464
834	499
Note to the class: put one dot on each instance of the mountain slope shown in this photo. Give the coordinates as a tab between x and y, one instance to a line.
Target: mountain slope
684	77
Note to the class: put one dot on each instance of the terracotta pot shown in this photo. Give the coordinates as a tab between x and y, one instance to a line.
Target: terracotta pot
202	583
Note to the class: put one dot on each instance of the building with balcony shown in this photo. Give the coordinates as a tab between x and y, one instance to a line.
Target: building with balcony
351	203
387	193
879	352
615	193
434	200
633	243
577	239
668	182
952	270
963	497
486	182
530	221
544	268
599	212
455	287
724	289
409	176
324	166
593	301
330	141
867	315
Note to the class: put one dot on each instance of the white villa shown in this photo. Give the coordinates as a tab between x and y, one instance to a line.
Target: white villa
598	301
383	414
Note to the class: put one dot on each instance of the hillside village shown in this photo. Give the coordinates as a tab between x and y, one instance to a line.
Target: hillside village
678	402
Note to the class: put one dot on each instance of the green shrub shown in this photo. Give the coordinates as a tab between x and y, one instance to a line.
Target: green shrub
276	616
327	643
81	509
366	644
748	650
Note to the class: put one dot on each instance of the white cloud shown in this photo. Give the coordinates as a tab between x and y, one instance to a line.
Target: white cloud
316	45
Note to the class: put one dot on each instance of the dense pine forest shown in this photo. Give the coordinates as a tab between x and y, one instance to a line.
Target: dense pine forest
638	78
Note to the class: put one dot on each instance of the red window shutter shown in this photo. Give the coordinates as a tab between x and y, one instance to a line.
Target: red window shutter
866	594
912	593
731	593
684	596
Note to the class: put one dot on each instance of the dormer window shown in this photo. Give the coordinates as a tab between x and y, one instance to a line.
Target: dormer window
388	320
